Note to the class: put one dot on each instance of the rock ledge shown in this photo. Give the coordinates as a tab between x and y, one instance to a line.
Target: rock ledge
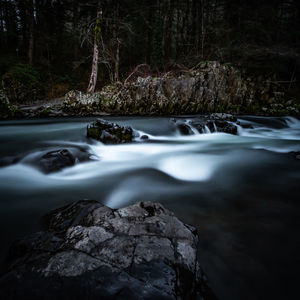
90	251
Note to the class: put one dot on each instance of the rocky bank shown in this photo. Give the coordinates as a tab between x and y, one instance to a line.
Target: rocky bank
208	88
211	87
90	251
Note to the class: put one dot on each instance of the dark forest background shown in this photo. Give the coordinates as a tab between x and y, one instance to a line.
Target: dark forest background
47	46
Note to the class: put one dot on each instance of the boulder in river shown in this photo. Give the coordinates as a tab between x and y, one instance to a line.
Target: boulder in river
212	123
110	133
90	251
182	127
57	159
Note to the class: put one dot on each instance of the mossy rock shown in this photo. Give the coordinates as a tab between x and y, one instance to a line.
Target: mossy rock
8	111
110	133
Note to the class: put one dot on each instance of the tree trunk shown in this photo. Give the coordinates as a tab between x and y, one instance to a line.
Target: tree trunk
31	34
94	73
117	62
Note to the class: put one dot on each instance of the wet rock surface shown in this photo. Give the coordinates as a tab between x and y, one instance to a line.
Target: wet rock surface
218	122
296	155
110	133
57	160
50	161
90	251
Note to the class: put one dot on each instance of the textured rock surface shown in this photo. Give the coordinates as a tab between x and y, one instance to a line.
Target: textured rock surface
90	251
211	87
213	123
110	133
6	109
56	160
50	161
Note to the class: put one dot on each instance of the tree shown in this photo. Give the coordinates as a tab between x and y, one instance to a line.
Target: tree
97	38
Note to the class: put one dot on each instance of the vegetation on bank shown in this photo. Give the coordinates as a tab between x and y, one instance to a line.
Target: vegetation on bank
210	87
46	50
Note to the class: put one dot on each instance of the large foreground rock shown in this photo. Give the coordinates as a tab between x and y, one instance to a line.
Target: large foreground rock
90	251
110	133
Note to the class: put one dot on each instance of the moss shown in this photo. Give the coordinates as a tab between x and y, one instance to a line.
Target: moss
22	82
93	133
97	30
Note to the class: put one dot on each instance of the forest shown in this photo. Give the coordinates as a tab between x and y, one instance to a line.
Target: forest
48	44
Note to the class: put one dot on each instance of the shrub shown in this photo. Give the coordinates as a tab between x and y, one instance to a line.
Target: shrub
22	83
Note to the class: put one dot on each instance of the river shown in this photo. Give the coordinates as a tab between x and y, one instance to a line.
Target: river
241	192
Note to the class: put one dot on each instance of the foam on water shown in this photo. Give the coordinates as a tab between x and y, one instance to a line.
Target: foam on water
227	184
187	158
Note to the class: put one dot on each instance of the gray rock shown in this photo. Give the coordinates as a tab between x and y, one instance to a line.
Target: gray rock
92	251
223	117
56	160
212	123
182	127
296	154
110	133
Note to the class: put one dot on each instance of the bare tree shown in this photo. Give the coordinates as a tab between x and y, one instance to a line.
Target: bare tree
97	38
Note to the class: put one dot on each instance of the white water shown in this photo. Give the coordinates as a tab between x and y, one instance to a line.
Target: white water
235	189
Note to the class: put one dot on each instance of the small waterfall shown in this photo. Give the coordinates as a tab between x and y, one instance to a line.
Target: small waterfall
215	127
292	122
193	129
206	129
240	129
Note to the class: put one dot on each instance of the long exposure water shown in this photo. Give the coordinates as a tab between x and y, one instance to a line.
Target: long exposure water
241	192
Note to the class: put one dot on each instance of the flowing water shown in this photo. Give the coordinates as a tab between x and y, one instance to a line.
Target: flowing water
241	192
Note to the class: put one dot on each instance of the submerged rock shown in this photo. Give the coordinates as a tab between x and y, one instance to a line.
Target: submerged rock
9	160
296	154
110	133
213	123
182	127
222	126
56	160
90	251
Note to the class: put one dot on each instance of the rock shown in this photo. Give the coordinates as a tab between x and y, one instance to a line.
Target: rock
110	133
9	160
210	87
182	127
90	251
56	160
212	123
79	103
144	137
222	126
223	117
296	154
8	111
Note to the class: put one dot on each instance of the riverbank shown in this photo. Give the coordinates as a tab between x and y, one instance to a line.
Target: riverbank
209	88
